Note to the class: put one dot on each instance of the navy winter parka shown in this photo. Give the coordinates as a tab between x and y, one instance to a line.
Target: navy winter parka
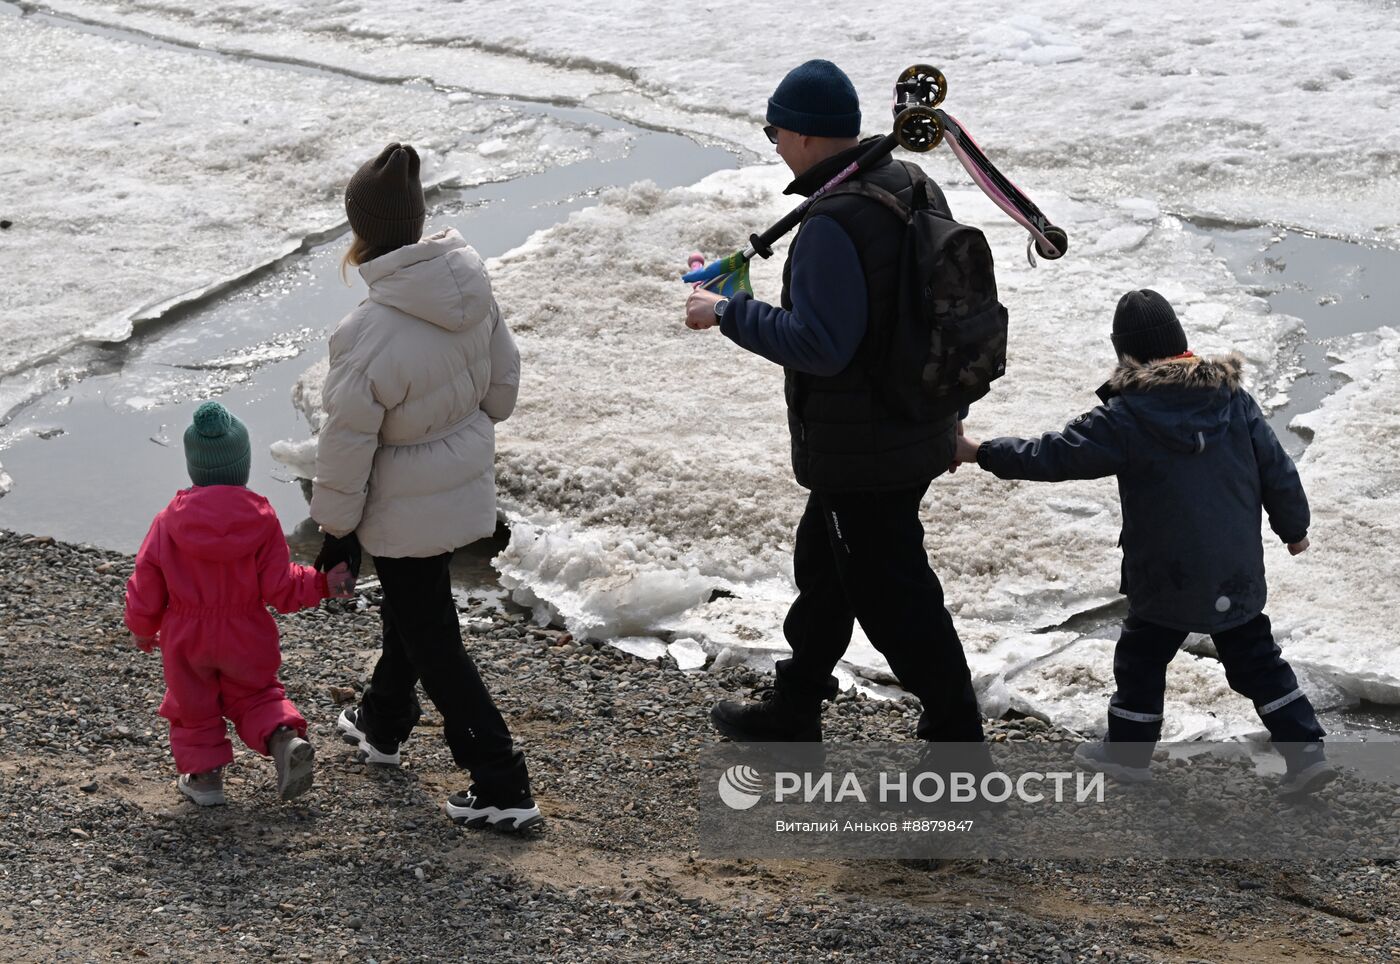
1195	462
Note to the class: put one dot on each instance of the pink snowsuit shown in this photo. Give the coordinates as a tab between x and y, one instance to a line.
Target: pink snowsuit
215	558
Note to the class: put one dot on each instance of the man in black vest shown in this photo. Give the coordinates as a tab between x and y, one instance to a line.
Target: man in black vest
859	550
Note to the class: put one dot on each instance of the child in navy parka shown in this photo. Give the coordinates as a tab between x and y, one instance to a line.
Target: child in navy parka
1196	463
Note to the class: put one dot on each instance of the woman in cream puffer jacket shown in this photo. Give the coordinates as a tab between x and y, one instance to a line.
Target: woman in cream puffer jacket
420	373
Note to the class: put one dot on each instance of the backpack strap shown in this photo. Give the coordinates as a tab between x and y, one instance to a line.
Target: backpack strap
862	189
920	197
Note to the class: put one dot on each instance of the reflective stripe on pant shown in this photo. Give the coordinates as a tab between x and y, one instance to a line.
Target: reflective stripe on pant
1255	667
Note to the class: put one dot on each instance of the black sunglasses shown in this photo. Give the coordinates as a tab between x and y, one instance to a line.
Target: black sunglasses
772	133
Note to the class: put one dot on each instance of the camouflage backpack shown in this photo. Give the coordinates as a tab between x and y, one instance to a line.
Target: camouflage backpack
948	343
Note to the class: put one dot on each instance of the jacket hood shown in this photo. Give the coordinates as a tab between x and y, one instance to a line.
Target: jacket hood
1189	372
1183	402
219	522
440	279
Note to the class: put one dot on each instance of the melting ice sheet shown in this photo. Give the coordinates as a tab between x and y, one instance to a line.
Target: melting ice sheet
1206	107
1335	604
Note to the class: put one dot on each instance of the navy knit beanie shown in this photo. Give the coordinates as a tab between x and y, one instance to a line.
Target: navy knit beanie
816	98
1145	327
216	447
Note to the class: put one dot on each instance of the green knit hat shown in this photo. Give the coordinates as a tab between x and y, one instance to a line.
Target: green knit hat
216	447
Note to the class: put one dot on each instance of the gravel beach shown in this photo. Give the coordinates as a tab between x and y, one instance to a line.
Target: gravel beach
101	859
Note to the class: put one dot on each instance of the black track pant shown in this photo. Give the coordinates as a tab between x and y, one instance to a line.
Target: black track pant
423	642
860	556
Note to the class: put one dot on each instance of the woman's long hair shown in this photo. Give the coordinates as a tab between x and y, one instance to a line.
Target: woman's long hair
359	252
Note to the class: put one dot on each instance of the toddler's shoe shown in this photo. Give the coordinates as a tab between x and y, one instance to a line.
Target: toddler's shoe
351	733
477	809
294	758
205	789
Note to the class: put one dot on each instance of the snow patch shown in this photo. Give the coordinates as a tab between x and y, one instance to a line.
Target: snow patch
688	654
1026	38
597	591
1333	607
298	456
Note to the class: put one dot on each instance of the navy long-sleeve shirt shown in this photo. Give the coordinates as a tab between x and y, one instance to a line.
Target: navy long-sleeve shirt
821	333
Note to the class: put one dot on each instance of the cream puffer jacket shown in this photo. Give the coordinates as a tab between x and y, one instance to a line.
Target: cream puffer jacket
420	372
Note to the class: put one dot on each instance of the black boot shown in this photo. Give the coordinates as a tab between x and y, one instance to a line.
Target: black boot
786	712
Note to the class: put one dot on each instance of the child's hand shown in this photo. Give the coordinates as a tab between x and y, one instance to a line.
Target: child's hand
1294	548
147	643
966	450
340	582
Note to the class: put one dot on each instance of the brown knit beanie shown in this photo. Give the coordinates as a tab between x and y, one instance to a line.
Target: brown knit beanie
384	200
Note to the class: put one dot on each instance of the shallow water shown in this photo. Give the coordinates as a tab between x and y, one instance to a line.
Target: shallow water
1336	287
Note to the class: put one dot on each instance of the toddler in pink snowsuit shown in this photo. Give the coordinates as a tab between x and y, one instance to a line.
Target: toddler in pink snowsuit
213	561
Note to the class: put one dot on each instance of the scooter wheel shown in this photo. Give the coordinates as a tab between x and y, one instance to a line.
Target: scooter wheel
1059	239
918	129
920	84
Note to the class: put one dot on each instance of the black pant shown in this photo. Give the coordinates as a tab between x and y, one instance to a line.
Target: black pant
861	556
423	642
1254	667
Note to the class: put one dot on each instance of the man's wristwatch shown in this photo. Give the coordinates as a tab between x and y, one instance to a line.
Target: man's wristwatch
720	305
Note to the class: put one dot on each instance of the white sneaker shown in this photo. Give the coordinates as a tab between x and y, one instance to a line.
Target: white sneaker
1096	756
514	816
351	733
205	789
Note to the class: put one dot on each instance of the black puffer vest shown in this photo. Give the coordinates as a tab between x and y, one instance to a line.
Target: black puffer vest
845	437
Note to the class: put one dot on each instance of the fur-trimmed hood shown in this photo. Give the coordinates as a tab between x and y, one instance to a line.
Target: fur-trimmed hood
1182	402
1189	372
